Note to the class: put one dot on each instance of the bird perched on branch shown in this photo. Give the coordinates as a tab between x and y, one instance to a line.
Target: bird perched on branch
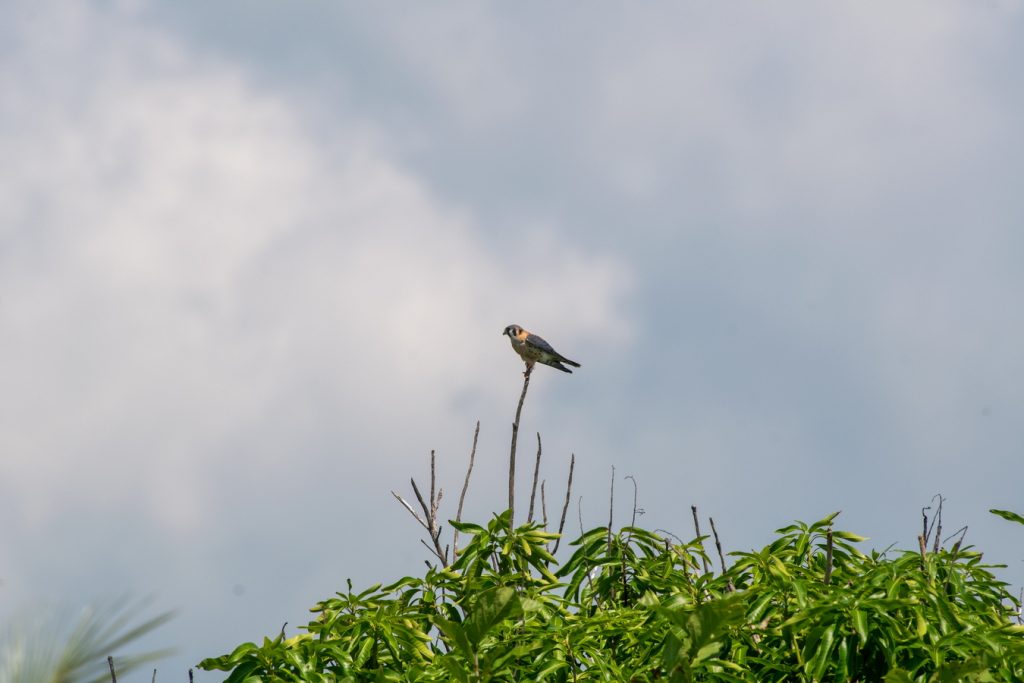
533	349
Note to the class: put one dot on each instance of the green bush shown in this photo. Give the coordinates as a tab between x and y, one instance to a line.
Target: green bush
637	606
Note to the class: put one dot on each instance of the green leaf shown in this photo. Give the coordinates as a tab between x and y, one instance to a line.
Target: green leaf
456	634
898	676
363	655
1006	514
455	669
489	609
819	662
860	624
466	527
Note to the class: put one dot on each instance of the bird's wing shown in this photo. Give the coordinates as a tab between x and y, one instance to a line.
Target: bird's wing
537	342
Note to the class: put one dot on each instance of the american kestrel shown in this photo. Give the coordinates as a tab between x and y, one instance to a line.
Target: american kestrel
533	349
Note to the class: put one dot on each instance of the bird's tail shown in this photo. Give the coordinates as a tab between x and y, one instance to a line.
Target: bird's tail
570	362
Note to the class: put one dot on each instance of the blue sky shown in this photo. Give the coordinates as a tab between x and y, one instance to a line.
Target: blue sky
255	260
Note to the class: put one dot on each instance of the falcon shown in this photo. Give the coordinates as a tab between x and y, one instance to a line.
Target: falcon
533	349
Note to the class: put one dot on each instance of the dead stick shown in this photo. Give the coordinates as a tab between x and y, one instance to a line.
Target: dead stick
696	526
512	451
565	508
718	543
611	509
431	525
411	511
465	485
544	503
536	474
632	521
110	663
721	557
433	481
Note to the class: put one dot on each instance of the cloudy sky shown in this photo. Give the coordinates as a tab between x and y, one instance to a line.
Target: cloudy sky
256	257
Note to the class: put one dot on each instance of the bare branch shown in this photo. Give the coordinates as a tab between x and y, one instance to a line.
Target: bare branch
465	485
565	508
512	451
696	526
611	508
632	521
536	474
938	525
961	532
718	545
411	511
419	497
924	524
433	481
579	513
544	503
110	663
434	551
430	512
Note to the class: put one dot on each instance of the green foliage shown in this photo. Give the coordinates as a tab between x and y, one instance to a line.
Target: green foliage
50	646
636	606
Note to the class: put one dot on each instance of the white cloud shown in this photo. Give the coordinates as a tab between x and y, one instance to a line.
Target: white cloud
184	264
824	106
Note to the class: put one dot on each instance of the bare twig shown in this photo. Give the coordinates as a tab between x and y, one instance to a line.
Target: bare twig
696	527
110	663
669	533
512	451
611	509
190	676
433	551
430	512
579	513
565	508
544	503
465	485
718	545
922	545
961	532
154	676
938	524
937	520
632	521
828	556
536	474
426	509
434	500
412	512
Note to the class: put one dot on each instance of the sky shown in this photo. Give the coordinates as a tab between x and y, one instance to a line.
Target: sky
256	258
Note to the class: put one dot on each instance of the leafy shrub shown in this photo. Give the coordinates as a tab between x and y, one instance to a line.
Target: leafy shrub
637	606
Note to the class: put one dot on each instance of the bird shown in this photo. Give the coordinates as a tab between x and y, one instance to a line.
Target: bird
533	349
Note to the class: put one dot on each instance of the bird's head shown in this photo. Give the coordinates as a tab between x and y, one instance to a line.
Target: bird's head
512	330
